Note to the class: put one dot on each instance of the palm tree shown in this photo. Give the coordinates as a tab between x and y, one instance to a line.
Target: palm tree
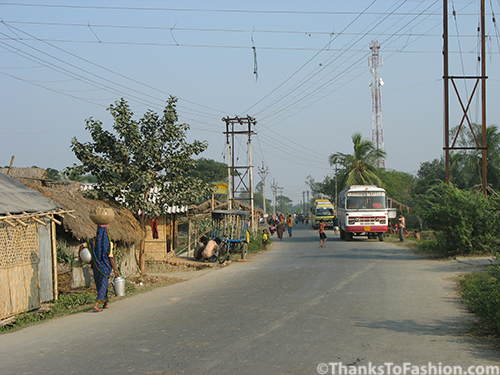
360	168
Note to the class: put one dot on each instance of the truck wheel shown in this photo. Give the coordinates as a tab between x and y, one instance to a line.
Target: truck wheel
342	234
381	236
348	236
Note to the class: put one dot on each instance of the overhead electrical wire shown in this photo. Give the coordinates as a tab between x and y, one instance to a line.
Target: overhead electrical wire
205	10
291	98
104	68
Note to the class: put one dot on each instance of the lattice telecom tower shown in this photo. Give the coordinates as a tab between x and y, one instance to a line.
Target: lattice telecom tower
377	130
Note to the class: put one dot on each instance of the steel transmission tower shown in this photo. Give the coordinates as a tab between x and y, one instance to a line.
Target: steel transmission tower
377	130
237	181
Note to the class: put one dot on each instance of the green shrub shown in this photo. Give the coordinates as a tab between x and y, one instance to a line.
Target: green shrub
465	222
65	304
255	244
481	293
68	301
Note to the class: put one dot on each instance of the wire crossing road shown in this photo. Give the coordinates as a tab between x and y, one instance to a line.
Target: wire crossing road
296	309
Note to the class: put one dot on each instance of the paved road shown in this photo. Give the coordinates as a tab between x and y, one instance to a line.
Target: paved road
284	312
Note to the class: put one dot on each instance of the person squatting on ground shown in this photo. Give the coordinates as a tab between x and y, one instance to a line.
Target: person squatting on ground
289	225
322	234
200	246
103	263
209	253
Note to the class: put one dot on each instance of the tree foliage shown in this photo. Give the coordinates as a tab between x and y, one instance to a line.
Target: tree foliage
466	222
360	167
209	170
141	155
398	185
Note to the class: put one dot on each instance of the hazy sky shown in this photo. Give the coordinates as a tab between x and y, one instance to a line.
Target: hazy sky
62	62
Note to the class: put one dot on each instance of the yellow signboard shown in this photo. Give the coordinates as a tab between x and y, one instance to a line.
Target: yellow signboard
220	188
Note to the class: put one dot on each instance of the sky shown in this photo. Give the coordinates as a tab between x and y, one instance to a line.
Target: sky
300	68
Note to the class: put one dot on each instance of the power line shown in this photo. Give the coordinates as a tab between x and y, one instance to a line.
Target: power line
156	9
102	67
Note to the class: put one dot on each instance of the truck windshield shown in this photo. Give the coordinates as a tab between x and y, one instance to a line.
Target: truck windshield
366	201
324	211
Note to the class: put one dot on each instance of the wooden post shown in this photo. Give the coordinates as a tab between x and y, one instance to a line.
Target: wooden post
189	237
54	259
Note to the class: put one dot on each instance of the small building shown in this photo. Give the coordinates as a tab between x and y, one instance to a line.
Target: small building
28	259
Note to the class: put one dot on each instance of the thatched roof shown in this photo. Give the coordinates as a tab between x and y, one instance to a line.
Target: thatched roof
25	174
124	228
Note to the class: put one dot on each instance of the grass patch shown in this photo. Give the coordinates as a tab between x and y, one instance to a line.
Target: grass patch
480	291
77	301
65	305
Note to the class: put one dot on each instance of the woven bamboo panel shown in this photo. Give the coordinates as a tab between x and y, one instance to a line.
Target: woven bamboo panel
19	290
18	245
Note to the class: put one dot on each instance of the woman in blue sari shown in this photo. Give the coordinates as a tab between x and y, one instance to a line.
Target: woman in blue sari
103	263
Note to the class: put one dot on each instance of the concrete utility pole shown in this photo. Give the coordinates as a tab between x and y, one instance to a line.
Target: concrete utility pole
465	107
245	128
308	203
263	172
274	187
377	129
281	196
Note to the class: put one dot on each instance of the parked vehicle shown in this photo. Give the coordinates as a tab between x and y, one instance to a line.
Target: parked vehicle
364	210
231	226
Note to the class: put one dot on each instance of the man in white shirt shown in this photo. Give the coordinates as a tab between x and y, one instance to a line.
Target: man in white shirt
210	251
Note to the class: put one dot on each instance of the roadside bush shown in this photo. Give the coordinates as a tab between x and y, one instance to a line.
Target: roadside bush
68	301
481	293
255	244
466	222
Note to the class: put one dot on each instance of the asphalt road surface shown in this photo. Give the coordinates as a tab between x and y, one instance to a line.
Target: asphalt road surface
297	309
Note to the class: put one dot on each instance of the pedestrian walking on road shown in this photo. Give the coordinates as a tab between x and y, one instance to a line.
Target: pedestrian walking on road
289	225
103	264
322	234
280	229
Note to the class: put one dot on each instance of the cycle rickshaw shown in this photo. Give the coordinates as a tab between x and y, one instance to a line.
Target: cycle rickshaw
231	227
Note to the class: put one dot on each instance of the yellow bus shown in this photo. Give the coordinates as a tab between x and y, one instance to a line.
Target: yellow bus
324	210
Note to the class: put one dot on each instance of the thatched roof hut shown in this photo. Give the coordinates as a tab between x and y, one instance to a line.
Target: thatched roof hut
124	228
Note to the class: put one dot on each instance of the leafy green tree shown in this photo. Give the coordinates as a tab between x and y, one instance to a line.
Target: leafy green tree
466	222
466	165
429	174
398	185
139	156
360	167
74	176
283	204
53	174
209	170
